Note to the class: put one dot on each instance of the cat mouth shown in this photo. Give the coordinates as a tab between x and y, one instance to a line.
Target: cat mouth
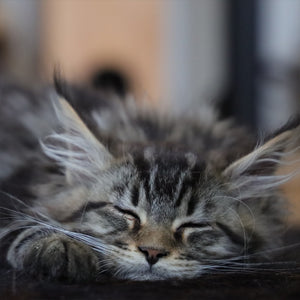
152	272
144	273
155	272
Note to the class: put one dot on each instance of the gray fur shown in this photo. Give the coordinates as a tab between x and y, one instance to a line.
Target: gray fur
117	179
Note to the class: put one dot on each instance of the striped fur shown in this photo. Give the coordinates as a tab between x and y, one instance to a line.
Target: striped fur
121	191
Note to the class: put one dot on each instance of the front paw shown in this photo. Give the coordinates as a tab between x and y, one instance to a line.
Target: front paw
60	257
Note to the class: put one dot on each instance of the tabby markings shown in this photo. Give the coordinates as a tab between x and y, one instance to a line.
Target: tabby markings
84	208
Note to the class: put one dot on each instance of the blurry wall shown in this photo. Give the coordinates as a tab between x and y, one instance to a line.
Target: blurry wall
279	57
83	36
171	50
195	51
19	33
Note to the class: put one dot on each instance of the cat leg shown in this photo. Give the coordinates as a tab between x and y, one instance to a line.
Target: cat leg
51	255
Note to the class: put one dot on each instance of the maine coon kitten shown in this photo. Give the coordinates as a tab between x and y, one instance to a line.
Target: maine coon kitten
132	194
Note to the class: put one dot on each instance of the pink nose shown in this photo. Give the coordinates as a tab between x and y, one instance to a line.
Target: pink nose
153	255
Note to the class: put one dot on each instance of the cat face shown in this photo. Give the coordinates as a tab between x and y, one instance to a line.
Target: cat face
157	213
159	218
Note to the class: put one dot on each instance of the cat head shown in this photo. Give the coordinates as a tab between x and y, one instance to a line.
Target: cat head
156	214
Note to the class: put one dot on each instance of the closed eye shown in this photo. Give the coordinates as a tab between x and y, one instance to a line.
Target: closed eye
203	225
128	213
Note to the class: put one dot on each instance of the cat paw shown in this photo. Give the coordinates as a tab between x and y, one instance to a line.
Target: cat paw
58	257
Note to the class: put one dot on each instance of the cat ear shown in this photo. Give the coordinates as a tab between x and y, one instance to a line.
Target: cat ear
256	173
75	147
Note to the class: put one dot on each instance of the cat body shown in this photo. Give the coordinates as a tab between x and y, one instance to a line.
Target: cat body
93	185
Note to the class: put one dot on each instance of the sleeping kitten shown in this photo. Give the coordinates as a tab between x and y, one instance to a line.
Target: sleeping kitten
129	193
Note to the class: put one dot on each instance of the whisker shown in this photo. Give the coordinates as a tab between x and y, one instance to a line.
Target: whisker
95	243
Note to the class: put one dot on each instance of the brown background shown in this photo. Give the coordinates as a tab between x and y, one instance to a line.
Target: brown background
81	36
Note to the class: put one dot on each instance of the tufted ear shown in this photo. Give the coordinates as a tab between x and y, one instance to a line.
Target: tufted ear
256	173
75	147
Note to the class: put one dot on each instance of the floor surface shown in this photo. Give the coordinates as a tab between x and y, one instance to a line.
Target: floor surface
281	281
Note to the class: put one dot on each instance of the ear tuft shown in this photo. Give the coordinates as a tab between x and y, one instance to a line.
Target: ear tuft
75	148
255	174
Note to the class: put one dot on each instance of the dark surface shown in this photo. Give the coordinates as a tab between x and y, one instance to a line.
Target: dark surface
282	281
273	285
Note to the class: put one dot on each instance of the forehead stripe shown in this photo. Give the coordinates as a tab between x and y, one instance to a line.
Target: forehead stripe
192	204
143	167
191	180
181	194
135	195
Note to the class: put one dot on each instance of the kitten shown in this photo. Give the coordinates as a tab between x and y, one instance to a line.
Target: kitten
132	194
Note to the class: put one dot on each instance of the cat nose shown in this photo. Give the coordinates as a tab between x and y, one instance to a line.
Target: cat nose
153	255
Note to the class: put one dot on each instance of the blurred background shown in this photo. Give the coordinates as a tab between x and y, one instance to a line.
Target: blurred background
243	55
